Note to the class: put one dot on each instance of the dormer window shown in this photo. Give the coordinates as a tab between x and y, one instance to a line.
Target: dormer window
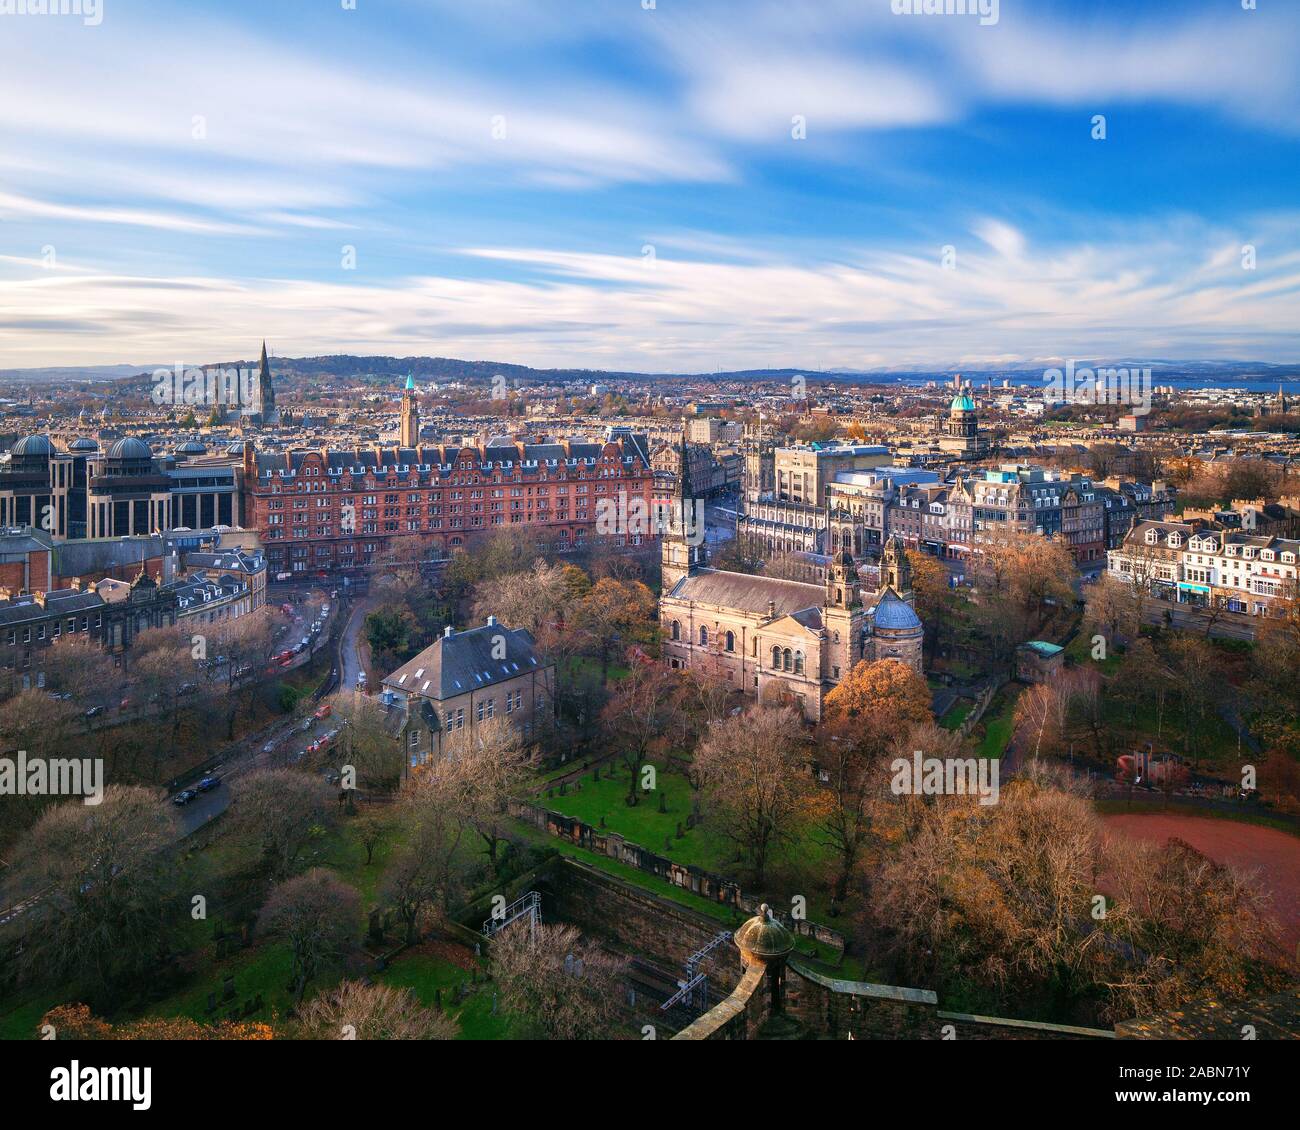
1153	536
1175	540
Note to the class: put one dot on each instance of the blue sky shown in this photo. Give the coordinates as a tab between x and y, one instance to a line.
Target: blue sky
600	184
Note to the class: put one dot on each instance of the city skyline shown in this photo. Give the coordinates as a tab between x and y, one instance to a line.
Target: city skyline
660	189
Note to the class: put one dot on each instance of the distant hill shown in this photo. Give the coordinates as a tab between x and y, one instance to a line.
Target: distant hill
348	365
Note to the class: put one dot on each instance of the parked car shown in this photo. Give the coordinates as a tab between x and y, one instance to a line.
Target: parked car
94	712
268	747
182	798
208	784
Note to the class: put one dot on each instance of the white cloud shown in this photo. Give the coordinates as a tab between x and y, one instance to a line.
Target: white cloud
1125	297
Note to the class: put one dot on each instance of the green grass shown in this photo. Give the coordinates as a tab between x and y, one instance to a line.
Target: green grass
956	715
20	1022
426	976
998	726
1079	651
643	823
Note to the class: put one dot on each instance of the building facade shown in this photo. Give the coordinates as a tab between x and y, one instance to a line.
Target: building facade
767	636
463	680
342	509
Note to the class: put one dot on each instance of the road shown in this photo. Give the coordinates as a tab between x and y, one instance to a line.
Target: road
1228	626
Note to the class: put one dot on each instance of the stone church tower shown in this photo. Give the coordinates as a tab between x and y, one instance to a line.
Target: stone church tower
843	617
263	409
410	426
678	557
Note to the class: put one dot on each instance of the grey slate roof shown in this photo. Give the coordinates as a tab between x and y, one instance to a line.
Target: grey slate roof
463	662
749	593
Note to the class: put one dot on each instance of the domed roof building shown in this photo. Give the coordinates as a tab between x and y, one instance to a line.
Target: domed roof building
33	447
763	938
191	447
130	449
128	494
83	443
959	434
783	639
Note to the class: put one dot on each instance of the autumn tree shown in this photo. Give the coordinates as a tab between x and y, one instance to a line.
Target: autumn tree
1029	899
877	703
557	984
1111	611
282	811
614	613
354	1010
640	714
491	761
317	915
106	881
753	769
77	1022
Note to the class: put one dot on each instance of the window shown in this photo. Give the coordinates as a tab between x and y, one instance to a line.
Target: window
677	630
729	641
776	659
786	660
704	637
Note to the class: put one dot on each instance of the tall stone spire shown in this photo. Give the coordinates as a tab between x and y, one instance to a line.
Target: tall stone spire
409	431
263	407
679	542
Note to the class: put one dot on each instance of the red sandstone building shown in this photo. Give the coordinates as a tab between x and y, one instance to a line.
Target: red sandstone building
319	511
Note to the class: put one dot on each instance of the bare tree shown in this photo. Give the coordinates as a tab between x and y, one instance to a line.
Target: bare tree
317	914
357	1011
754	770
492	764
281	810
637	718
106	883
556	983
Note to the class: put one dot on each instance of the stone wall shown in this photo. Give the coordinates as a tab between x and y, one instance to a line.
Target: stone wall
634	919
831	1009
694	879
740	1016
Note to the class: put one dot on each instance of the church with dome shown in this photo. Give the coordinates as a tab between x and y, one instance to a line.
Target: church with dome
770	637
960	434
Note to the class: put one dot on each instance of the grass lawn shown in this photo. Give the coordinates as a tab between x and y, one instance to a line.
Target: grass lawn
1079	651
702	846
426	975
643	823
956	715
999	722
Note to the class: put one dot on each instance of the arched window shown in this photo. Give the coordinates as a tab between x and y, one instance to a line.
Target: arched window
704	637
776	659
786	660
798	662
729	641
677	630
